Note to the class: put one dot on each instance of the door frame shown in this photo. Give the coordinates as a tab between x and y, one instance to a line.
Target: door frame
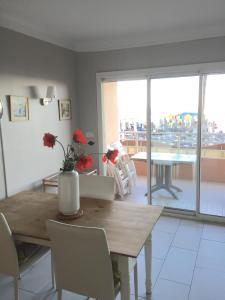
153	73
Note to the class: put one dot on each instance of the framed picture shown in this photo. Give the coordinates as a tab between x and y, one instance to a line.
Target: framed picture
19	108
65	110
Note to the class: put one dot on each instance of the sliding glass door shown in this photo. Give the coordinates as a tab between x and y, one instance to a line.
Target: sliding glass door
174	127
212	183
124	105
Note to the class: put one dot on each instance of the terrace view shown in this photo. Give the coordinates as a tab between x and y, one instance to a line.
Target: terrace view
175	130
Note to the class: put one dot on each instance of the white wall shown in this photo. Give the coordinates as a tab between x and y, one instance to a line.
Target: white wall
27	62
192	52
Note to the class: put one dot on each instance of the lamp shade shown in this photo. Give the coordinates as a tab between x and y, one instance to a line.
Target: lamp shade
50	92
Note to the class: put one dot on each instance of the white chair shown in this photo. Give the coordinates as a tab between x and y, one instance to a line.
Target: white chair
9	263
121	178
129	168
103	187
82	261
125	164
95	186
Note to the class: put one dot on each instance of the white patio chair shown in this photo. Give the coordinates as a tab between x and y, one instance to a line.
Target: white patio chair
95	186
126	164
9	263
121	178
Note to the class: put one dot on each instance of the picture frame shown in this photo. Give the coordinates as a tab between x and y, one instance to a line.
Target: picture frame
65	109
19	108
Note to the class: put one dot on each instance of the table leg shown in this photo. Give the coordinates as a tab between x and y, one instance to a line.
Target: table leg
123	265
148	264
159	174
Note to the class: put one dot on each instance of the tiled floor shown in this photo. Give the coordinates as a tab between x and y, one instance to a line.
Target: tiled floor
212	196
188	263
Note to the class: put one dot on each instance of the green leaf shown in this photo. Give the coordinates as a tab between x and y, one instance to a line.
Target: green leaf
91	143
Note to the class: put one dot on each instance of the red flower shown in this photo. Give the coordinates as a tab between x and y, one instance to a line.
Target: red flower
113	155
79	137
104	158
110	155
49	140
84	162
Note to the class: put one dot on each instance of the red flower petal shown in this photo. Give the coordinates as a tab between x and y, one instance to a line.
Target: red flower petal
113	155
49	140
104	158
84	162
79	137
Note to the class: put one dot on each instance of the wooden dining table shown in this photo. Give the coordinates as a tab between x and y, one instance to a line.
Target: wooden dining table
128	226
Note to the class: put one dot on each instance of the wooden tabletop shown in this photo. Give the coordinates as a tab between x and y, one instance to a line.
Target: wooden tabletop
127	225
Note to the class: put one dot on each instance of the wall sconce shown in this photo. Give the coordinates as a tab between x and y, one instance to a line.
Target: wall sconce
50	95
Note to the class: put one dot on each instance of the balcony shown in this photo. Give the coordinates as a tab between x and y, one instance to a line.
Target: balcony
212	183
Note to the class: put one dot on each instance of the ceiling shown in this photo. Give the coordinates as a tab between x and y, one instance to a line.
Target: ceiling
95	25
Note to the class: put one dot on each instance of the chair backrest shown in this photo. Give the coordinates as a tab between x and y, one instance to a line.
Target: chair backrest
121	178
82	260
8	255
95	186
125	163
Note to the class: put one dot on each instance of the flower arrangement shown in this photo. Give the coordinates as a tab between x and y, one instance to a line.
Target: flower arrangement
74	155
110	155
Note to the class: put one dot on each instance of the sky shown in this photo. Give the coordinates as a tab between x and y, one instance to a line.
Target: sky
172	96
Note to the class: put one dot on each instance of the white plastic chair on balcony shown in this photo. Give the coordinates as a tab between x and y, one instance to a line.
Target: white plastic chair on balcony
126	164
129	169
82	261
121	178
95	186
9	263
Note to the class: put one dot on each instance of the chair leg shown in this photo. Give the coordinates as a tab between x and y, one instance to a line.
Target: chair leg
59	294
136	282
53	272
16	292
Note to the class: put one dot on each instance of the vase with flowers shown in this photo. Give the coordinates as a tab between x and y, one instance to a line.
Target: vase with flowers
75	159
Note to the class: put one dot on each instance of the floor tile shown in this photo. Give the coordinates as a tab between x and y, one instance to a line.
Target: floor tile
207	285
179	265
38	278
161	242
66	295
188	235
169	290
131	297
167	224
7	291
156	267
211	255
214	232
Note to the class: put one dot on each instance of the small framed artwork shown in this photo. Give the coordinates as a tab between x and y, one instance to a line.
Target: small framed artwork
19	108
65	110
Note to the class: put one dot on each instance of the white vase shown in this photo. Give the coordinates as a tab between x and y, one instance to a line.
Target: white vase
68	192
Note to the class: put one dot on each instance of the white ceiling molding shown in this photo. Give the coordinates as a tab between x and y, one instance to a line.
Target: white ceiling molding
100	25
18	26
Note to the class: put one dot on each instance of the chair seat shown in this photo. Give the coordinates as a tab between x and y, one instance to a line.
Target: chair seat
28	251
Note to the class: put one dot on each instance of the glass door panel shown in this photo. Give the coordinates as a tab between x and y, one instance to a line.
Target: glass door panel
124	107
212	188
174	123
